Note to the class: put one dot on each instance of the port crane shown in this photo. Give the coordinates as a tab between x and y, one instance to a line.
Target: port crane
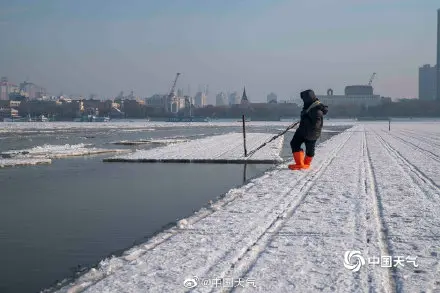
371	78
171	94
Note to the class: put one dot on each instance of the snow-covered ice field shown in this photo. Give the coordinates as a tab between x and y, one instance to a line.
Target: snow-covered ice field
218	148
18	127
44	154
369	191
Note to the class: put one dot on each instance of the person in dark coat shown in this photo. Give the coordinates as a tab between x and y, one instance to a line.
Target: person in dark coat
309	130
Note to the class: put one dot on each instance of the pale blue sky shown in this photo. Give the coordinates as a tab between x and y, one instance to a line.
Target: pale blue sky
285	46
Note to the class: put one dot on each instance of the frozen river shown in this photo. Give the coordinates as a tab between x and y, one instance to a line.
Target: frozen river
63	217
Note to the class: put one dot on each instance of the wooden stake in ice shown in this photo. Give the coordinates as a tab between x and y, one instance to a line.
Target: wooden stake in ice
244	136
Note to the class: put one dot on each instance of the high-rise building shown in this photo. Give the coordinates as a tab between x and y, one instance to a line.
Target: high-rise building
438	54
234	98
200	100
220	99
427	82
4	91
6	88
272	98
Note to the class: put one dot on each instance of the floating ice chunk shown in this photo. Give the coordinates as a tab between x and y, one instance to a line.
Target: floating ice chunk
11	162
59	151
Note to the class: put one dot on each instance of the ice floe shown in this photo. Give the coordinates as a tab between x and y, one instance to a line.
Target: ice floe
58	151
227	148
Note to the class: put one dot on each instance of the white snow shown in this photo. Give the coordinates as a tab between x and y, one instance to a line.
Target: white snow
227	147
11	162
369	190
58	151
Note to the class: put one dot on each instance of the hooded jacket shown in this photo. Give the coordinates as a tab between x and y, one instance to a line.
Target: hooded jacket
312	116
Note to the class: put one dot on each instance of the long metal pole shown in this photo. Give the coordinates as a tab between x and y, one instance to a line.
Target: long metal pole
273	138
244	136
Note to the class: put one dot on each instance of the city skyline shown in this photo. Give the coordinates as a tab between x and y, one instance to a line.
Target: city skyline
280	46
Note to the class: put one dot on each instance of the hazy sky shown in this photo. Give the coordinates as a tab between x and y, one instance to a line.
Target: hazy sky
285	46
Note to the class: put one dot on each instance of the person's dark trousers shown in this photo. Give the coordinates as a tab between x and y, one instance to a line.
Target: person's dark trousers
298	140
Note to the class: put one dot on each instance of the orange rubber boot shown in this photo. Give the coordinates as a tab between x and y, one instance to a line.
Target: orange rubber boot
307	162
299	161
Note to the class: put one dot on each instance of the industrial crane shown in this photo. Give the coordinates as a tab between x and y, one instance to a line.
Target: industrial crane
171	94
371	78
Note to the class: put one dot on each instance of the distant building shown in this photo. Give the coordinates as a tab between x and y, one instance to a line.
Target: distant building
220	99
386	100
178	103
290	101
189	102
6	88
272	98
173	104
131	96
360	95
14	104
156	101
234	98
364	90
32	90
200	100
7	109
244	98
427	82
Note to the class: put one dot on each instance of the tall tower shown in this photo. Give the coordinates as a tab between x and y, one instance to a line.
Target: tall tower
427	82
244	98
438	55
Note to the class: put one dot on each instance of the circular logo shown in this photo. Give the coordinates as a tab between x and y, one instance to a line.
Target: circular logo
190	283
353	260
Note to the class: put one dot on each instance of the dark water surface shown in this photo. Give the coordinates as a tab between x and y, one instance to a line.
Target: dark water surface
58	218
